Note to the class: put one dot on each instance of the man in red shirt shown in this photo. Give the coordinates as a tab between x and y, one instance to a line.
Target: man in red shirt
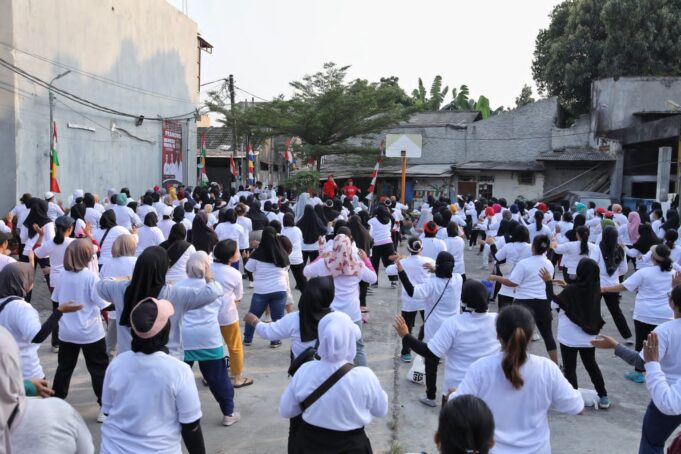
330	188
350	189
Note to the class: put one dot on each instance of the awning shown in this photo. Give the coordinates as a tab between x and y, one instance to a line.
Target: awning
652	131
515	166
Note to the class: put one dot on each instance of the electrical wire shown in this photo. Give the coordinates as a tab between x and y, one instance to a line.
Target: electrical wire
251	94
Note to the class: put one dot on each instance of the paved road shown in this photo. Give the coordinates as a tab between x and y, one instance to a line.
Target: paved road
410	425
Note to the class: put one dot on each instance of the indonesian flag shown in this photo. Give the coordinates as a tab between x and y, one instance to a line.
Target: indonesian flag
251	165
202	164
374	174
54	161
288	155
232	165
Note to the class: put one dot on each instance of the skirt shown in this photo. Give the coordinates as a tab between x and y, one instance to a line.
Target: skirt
311	439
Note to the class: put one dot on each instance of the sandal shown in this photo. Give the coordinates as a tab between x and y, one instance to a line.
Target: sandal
246	382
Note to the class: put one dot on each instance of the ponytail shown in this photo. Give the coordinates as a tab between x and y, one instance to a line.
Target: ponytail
514	329
59	233
538	218
583	236
670	237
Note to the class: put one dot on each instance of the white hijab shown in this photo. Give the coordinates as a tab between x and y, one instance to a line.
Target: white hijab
13	401
338	337
299	208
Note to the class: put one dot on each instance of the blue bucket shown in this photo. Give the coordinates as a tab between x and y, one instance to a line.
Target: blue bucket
489	285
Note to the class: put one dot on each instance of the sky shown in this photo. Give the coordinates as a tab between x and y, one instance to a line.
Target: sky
486	45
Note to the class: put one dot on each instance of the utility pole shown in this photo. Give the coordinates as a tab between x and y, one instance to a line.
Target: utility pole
51	98
230	82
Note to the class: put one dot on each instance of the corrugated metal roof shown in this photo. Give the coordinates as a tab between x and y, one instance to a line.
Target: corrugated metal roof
521	166
423	170
577	155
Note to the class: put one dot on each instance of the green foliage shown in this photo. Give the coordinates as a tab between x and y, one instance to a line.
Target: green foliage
431	100
593	39
461	101
302	180
525	96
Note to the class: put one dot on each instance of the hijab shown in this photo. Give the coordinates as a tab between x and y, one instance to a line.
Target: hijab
203	237
299	208
672	220
122	199
444	265
16	279
270	249
13	401
314	304
148	278
108	220
578	221
175	245
612	252
340	261
310	225
475	296
580	208
634	221
78	255
382	214
338	337
257	217
581	300
319	209
37	215
361	235
646	239
178	214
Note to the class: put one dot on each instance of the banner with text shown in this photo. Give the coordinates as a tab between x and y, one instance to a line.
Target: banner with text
171	152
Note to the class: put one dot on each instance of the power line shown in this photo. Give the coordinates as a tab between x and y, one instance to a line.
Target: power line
251	94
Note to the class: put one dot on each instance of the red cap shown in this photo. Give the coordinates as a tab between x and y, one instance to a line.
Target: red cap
600	210
489	211
156	188
430	228
608	214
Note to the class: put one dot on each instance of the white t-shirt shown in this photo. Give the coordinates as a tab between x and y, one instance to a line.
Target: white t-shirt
545	230
54	211
267	277
380	232
147	237
525	275
84	326
669	344
23	322
285	328
106	246
346	288
512	253
20	212
229	231
455	246
448	292
200	328
652	286
48	235
178	271
125	217
143	210
5	260
572	254
520	415
571	335
117	267
607	279
165	225
463	339
147	398
247	225
413	266
92	215
56	254
432	247
233	290
296	237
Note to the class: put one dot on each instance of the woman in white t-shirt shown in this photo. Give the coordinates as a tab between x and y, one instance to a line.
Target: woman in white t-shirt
295	235
106	235
202	341
229	229
442	299
514	383
516	248
651	308
432	246
82	330
382	250
538	227
455	246
245	222
574	251
119	266
269	264
149	396
178	251
225	254
461	339
579	322
149	234
530	290
166	223
336	420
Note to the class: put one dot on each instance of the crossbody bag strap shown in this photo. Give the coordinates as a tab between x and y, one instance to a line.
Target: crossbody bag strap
438	300
324	387
9	300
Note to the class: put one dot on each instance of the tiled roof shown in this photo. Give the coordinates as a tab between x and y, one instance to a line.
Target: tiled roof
577	155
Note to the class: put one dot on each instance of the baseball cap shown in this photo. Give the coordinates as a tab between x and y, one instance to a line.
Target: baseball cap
150	316
49	195
167	211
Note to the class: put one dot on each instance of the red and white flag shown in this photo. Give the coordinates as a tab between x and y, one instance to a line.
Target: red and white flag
232	165
288	154
374	174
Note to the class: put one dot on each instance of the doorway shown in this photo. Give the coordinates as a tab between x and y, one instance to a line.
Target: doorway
466	188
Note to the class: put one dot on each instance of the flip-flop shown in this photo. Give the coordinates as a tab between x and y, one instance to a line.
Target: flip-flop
246	382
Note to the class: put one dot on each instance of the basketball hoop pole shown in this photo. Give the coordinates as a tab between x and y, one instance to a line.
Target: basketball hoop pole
404	175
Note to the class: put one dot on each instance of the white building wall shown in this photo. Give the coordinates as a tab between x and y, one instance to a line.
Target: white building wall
138	57
506	185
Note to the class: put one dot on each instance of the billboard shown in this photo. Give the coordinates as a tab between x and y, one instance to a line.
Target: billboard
171	151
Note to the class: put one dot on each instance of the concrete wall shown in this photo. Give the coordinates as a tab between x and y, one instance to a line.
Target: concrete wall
8	97
614	101
132	56
576	136
506	185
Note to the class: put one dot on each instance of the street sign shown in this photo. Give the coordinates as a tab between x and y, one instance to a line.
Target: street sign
396	144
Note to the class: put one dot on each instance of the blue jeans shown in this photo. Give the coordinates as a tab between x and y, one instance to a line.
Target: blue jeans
360	356
275	300
214	371
657	427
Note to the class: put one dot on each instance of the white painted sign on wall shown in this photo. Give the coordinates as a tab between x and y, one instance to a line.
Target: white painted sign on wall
411	144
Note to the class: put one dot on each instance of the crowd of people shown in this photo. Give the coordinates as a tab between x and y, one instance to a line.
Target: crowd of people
146	287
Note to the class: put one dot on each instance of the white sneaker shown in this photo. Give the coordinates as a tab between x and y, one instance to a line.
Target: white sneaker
55	349
231	419
428	402
251	284
101	417
536	337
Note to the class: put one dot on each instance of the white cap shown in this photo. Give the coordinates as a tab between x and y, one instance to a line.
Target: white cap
49	195
167	210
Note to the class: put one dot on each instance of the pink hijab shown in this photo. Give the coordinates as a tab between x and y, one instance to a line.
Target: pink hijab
340	262
634	221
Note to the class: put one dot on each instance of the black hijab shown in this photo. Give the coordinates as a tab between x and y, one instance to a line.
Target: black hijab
175	245
311	226
78	211
612	252
475	296
382	214
203	237
108	220
314	304
444	265
646	239
257	217
178	214
319	209
360	235
578	221
672	220
581	300
270	249
148	278
16	280
37	215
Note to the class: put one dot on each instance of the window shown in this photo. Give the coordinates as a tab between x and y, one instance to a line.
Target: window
526	178
264	166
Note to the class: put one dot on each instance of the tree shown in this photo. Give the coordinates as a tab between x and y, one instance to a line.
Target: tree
326	111
593	39
525	97
423	102
461	101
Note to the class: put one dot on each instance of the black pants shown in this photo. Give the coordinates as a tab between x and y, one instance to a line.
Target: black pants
381	254
473	239
612	300
642	330
298	275
541	310
363	288
431	376
248	273
311	255
503	301
96	361
311	439
55	332
588	355
410	319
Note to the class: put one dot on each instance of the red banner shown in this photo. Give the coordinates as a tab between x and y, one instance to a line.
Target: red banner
171	151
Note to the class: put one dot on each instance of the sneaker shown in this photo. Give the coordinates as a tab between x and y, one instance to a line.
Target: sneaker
251	284
246	343
635	376
536	337
101	417
628	341
393	285
204	382
231	419
275	344
470	248
604	402
406	358
428	402
374	285
54	349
